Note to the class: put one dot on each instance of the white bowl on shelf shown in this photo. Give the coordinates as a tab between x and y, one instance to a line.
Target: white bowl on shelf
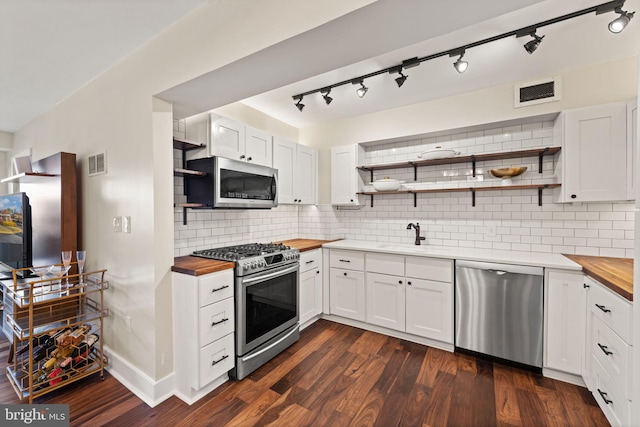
438	153
386	184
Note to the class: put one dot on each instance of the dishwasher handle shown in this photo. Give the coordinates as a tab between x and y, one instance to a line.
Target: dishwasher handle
501	269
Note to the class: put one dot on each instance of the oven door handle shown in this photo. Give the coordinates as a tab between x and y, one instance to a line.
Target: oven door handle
263	277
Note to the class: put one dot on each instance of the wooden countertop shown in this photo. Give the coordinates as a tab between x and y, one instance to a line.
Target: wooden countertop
614	273
196	266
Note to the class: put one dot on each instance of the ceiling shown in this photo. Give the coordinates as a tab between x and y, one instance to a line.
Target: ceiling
49	49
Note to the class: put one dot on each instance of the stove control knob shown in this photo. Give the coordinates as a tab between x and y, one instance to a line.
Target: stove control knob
245	267
254	264
297	255
262	263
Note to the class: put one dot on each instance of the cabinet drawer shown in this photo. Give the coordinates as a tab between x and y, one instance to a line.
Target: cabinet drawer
616	407
437	269
310	260
385	264
350	260
215	287
216	359
612	309
216	321
613	353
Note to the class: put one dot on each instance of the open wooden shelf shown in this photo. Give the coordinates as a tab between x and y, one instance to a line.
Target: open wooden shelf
187	172
472	158
27	177
185	144
472	190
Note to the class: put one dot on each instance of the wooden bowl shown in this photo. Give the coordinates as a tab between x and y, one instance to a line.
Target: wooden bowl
508	172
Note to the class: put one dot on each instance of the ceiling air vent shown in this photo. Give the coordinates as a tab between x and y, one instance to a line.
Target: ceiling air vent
97	164
537	92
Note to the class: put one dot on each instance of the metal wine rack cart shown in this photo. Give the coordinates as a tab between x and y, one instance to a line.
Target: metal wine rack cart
38	308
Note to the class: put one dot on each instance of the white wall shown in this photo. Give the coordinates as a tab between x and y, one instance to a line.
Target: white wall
608	82
114	112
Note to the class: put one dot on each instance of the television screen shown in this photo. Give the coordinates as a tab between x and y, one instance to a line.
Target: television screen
15	230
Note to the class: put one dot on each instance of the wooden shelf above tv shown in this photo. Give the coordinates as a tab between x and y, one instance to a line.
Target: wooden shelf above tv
27	177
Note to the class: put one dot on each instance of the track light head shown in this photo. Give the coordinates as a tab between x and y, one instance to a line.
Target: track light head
325	94
299	104
362	90
619	24
532	45
460	65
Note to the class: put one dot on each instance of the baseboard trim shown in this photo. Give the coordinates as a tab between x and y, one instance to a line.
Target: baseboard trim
150	391
563	376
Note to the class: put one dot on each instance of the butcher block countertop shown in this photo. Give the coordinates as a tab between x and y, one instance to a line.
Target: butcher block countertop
196	266
614	273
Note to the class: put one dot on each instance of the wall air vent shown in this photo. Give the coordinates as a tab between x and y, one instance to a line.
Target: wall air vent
97	164
537	92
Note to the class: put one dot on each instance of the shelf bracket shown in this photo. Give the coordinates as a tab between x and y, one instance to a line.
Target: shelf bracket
540	156
415	171
184	215
415	200
371	195
473	166
371	170
540	194
473	197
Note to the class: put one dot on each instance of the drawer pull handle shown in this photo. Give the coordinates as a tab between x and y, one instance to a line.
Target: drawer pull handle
604	349
344	260
604	397
584	285
603	308
215	362
219	321
309	262
219	289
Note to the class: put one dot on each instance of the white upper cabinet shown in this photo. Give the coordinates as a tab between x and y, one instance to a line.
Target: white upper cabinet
632	152
594	154
345	179
236	141
297	172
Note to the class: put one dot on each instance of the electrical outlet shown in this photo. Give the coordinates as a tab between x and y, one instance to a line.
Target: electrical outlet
126	224
117	224
491	231
127	323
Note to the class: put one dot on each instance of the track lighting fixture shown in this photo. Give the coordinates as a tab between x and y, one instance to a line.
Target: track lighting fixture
362	90
325	94
616	26
532	45
399	80
460	65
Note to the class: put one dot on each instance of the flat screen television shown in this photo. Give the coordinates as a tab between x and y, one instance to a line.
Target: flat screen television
15	231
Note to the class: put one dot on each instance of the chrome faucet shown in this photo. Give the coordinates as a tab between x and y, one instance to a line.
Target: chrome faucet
417	228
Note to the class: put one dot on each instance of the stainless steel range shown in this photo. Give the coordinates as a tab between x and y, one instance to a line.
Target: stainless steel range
266	299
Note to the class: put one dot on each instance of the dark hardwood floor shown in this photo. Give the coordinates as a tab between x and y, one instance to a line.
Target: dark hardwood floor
337	375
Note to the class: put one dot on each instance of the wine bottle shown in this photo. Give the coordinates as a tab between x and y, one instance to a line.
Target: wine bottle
43	350
74	337
76	360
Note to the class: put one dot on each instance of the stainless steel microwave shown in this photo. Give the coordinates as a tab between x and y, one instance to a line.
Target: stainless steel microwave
227	183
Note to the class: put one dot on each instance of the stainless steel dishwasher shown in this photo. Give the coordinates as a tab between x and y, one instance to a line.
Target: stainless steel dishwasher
498	310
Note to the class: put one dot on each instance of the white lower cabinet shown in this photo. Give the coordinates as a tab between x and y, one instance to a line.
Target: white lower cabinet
566	304
386	301
203	332
310	285
609	351
409	294
429	311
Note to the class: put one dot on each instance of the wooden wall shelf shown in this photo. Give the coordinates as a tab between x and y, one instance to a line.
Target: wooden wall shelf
473	191
27	177
472	158
186	145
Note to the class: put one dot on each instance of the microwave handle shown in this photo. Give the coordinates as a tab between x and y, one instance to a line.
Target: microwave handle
274	188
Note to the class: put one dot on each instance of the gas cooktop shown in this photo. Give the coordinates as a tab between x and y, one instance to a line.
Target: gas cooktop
252	257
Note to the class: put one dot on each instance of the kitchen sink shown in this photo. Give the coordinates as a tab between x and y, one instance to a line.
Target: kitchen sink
413	248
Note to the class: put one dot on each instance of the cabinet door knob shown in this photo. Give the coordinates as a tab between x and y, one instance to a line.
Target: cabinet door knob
242	157
249	159
318	272
295	200
400	282
573	196
409	283
345	274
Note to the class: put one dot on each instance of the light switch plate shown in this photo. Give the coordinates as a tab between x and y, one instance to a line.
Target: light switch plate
126	224
117	224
